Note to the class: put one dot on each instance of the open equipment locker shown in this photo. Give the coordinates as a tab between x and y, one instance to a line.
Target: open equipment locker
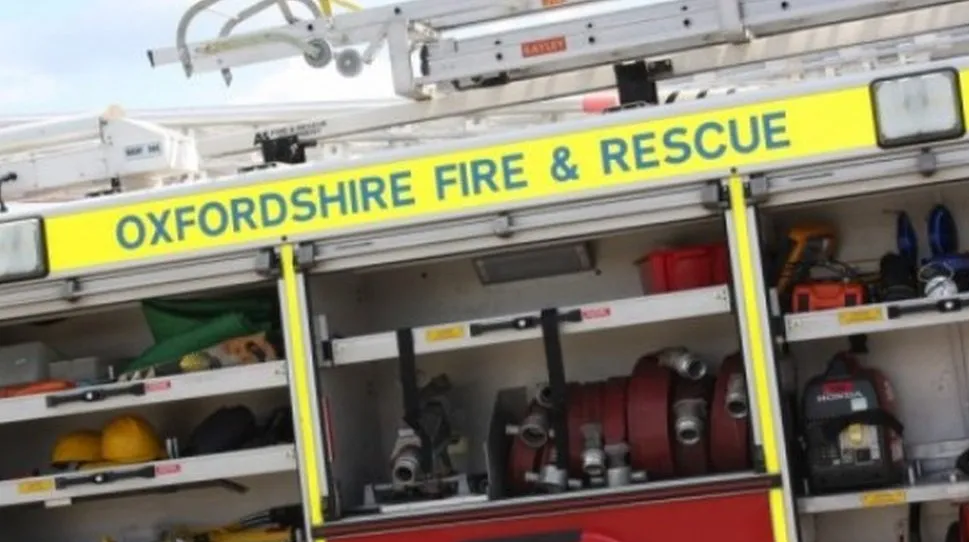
138	500
423	309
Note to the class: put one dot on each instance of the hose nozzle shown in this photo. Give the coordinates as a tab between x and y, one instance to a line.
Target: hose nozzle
406	465
683	362
688	424
736	397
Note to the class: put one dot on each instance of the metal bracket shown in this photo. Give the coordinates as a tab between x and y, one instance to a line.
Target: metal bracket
71	290
760	464
928	162
636	83
757	189
502	226
267	263
286	149
305	256
716	194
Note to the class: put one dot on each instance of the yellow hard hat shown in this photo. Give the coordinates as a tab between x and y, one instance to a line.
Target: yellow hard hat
130	439
76	448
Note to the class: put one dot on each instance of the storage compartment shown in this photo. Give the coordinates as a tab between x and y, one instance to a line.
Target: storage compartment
137	416
481	369
904	345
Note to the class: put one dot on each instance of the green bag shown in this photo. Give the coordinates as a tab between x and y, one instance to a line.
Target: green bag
184	326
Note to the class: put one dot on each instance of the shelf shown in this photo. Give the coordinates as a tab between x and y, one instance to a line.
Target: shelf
922	492
876	318
61	489
582	319
244	378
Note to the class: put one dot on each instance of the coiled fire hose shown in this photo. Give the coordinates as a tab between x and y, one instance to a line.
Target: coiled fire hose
730	418
661	421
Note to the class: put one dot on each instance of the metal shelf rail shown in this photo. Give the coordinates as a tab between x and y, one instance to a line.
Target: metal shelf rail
506	329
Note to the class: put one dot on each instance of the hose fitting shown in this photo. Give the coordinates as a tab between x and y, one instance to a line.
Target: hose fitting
689	421
683	362
407	465
736	397
534	428
593	456
405	462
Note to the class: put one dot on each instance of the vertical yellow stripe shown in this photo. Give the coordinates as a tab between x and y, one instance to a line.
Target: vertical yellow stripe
301	366
738	208
326	7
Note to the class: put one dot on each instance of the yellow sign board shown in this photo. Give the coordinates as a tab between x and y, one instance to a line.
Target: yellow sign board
883	498
640	152
448	333
861	316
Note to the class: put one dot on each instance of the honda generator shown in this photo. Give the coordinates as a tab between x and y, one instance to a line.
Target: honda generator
852	438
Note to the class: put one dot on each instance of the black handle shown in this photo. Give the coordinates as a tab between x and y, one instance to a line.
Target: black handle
876	417
942	306
106	477
94	395
519	324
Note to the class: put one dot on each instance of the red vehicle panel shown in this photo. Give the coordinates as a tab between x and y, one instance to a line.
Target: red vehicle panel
738	515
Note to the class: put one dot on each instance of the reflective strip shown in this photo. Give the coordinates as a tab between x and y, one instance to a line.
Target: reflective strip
755	331
302	378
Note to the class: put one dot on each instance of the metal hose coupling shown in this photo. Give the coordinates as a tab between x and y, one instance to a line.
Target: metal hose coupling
689	420
407	465
593	456
619	473
543	396
736	397
534	430
683	362
405	462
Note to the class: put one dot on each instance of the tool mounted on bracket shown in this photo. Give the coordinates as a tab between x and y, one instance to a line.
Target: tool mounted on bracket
943	274
946	271
797	252
844	289
420	462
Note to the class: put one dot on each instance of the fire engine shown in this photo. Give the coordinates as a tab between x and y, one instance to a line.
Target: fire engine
603	272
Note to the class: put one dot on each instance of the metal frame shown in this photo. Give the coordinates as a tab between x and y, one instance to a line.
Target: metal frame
304	395
753	319
167	473
409	26
956	490
596	317
763	59
152	391
91	154
79	293
869	319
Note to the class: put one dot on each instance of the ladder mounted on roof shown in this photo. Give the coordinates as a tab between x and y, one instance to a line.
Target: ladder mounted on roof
634	49
426	54
89	155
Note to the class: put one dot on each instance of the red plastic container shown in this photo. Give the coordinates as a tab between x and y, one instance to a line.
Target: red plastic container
685	268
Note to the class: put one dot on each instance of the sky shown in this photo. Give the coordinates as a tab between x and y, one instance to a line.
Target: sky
66	56
59	56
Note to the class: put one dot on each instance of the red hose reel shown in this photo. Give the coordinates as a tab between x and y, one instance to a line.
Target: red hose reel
670	423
